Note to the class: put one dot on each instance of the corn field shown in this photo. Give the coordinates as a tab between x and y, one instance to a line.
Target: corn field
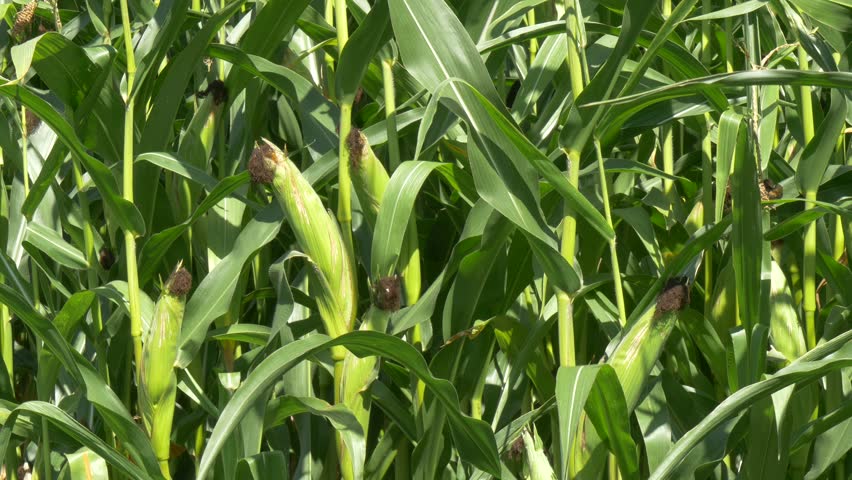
428	239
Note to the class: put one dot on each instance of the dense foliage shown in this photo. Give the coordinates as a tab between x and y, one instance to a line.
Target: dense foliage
472	239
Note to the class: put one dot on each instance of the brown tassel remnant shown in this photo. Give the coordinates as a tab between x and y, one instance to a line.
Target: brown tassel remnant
33	122
106	258
355	144
770	190
516	450
387	293
217	90
261	170
674	297
24	18
179	283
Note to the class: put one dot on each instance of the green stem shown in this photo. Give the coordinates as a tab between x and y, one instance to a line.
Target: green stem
344	200
565	309
402	461
707	165
390	113
809	258
24	147
533	41
668	165
127	163
729	41
44	449
6	341
613	250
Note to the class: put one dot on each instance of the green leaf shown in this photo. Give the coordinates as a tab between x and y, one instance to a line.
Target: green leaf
360	49
818	151
125	213
158	128
69	426
547	61
573	386
733	11
473	438
808	368
41	326
315	109
213	296
280	409
264	465
801	219
746	234
159	243
81	84
87	464
439	53
54	246
263	37
435	46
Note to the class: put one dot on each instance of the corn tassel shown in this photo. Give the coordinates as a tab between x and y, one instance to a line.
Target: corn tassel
158	385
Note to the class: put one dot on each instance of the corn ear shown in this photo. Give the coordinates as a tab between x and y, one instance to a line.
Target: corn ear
158	385
317	234
632	361
370	179
639	349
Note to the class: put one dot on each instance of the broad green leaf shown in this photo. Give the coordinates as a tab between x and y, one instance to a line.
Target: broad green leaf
125	212
733	11
573	386
549	58
315	109
159	243
81	84
87	464
271	24
280	409
69	426
360	49
746	234
429	56
473	438
264	465
807	368
213	295
54	246
818	151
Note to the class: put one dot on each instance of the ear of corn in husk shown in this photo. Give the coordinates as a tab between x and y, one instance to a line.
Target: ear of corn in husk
158	385
317	234
632	360
641	345
370	179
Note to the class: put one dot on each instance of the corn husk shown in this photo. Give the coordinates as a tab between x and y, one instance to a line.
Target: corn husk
632	360
369	180
642	344
317	234
158	385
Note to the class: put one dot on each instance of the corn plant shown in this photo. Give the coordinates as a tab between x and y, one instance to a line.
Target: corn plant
425	239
